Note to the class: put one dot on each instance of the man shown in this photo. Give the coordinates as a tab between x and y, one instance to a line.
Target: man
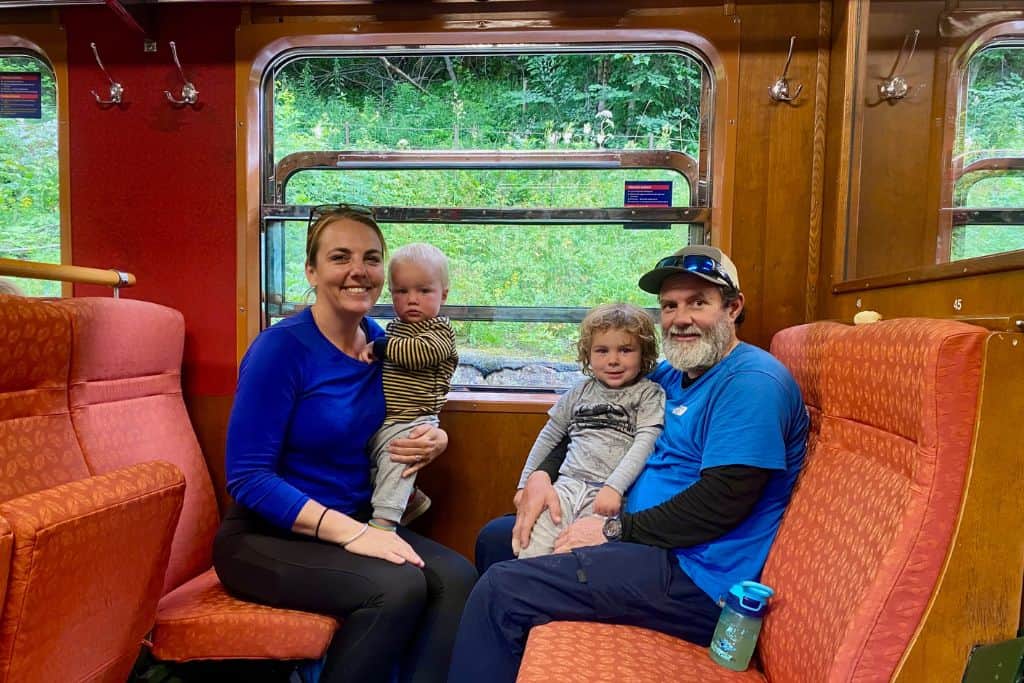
700	517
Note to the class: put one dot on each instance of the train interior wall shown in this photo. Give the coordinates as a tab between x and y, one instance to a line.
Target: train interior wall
155	190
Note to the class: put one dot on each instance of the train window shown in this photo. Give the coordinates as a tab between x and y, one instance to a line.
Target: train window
550	179
988	201
29	185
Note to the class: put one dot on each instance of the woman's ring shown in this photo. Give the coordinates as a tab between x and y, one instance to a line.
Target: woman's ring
420	458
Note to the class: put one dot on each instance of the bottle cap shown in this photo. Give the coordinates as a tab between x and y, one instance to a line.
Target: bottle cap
749	598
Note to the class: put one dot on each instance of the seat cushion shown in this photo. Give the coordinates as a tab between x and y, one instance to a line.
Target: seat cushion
199	620
555	651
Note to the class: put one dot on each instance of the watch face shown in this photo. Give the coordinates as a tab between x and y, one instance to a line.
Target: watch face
612	528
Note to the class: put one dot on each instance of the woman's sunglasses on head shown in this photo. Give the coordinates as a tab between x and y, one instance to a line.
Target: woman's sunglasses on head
318	212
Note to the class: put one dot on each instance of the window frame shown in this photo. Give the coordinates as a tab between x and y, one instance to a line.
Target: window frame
48	44
697	172
957	176
265	35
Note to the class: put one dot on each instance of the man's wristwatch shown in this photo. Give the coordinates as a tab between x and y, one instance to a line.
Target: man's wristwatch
612	528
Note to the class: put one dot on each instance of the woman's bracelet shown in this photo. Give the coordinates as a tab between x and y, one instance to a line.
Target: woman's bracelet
359	533
316	533
382	527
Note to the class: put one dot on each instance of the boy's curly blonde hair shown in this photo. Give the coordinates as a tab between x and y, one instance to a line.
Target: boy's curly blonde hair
632	319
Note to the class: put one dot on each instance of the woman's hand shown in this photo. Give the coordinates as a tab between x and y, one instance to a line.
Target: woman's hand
608	502
366	353
531	500
385	545
424	443
583	532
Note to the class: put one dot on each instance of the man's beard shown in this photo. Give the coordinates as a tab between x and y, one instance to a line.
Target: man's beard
697	356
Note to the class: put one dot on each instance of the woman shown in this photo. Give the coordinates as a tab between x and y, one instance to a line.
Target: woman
298	536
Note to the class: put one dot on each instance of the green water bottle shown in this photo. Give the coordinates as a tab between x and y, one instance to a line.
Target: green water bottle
740	624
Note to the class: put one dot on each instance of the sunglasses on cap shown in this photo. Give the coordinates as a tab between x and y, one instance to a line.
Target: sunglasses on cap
318	212
698	263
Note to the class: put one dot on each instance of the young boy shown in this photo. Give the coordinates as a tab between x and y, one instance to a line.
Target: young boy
419	360
612	421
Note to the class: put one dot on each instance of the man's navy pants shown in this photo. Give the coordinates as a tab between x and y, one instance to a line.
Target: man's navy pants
617	583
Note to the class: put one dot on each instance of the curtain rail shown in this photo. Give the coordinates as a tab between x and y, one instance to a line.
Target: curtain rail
76	274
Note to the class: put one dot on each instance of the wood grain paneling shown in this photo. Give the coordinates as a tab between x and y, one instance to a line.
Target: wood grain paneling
774	160
475	479
892	220
839	137
980	295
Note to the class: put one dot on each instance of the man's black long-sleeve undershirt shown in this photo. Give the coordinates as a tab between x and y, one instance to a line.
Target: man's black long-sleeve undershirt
714	505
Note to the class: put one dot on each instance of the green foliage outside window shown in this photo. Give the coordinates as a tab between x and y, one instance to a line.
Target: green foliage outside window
564	102
993	126
29	195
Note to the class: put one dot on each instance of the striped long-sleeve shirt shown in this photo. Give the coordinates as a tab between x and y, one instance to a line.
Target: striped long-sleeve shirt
419	361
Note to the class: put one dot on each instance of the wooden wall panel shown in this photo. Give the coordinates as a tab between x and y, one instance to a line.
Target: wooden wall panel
898	186
774	158
979	295
892	217
839	149
475	479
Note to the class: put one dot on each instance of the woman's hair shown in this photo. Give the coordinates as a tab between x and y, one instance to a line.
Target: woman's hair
424	254
316	228
631	319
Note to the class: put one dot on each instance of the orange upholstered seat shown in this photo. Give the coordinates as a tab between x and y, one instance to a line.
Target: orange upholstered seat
198	620
584	652
861	549
126	406
83	553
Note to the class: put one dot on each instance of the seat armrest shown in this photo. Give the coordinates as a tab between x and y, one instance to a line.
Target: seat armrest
87	567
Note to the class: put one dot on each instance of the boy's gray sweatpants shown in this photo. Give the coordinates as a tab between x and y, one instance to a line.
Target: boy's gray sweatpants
390	490
577	500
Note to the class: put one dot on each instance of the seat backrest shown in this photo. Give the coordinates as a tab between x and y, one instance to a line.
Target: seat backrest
38	448
801	350
866	534
127	407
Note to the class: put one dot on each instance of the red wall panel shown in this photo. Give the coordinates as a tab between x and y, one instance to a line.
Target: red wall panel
152	185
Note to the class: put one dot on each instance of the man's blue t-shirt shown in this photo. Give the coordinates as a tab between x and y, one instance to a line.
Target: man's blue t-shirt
746	410
303	414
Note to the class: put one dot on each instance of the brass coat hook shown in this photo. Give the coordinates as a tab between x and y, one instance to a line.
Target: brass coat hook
894	87
189	94
116	89
779	91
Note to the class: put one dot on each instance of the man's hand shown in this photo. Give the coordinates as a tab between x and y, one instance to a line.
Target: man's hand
538	495
608	502
584	532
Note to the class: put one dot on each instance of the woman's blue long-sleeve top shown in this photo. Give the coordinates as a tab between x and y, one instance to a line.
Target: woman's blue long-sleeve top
303	414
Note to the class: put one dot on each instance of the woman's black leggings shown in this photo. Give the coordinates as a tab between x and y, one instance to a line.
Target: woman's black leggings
392	615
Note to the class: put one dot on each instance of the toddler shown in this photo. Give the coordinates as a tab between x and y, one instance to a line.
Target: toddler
612	420
419	359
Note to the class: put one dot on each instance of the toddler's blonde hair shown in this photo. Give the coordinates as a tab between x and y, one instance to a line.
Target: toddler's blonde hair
632	319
